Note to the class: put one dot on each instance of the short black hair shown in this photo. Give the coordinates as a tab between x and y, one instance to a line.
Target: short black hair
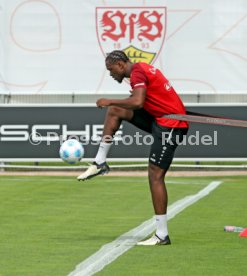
116	56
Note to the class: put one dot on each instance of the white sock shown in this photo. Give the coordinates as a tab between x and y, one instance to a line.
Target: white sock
102	152
161	224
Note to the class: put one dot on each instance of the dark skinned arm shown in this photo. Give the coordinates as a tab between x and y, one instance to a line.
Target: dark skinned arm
135	101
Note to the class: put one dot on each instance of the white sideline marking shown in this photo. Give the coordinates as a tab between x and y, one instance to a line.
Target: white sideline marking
167	181
31	179
111	251
5	179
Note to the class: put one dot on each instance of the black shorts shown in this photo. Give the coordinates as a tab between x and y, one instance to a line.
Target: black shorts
165	139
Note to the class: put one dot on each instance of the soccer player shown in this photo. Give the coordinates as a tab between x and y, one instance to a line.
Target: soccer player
152	96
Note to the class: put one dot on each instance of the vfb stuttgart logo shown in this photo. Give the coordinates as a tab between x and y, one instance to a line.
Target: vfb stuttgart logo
138	31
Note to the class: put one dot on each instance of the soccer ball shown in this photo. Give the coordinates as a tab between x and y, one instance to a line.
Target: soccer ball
71	151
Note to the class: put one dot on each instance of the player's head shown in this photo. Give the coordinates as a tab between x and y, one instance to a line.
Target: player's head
117	63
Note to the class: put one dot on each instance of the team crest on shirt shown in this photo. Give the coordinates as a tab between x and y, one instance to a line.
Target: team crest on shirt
138	31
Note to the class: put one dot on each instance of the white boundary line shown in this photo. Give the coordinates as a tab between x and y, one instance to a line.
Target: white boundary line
111	251
178	159
49	180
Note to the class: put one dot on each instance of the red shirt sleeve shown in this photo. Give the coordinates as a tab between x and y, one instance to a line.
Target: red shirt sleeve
138	77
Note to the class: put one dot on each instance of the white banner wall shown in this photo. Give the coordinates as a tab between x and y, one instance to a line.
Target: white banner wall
60	45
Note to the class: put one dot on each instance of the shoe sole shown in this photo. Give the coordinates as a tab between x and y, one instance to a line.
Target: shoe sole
166	241
93	175
169	243
157	244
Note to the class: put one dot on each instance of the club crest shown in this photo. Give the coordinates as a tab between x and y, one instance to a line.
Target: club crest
138	31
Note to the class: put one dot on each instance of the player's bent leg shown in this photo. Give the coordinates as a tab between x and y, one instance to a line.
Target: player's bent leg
113	119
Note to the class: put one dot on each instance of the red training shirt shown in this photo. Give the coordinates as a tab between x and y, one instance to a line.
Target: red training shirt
161	98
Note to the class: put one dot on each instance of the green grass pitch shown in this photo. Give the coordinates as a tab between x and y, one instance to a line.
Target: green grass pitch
50	224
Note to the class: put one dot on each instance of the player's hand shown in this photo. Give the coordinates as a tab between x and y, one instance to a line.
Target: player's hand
102	102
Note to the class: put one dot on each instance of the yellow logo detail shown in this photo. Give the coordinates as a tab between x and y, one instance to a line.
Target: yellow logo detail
137	55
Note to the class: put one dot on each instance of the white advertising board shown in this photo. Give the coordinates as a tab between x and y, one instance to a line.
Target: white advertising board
60	45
